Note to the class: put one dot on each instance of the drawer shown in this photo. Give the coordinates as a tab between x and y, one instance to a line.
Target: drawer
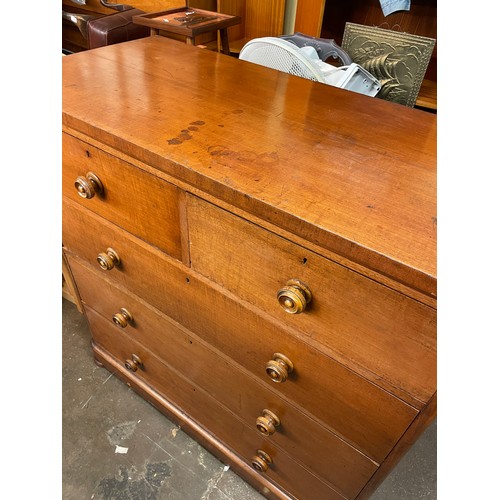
310	443
203	408
358	411
379	332
131	198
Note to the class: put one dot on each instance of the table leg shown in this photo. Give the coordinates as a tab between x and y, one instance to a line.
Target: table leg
190	40
224	41
154	31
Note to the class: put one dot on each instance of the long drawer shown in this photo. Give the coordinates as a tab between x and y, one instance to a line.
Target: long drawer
382	333
135	200
366	416
300	436
204	408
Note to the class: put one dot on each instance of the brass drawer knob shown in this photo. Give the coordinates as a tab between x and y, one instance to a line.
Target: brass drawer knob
123	318
261	461
294	296
267	422
108	260
279	368
89	185
134	363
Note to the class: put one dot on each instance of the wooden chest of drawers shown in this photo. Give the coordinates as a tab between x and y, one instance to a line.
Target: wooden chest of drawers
255	254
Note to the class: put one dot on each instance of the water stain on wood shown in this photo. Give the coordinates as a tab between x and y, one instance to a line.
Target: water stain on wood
186	133
226	156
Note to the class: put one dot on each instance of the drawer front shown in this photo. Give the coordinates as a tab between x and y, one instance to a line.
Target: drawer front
131	198
358	411
379	332
310	443
208	412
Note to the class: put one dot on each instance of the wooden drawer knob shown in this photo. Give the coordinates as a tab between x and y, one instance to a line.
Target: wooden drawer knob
261	461
134	363
294	296
267	422
279	368
123	318
89	185
108	260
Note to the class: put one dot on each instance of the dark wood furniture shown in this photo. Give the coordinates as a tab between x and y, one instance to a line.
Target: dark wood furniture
189	23
256	256
259	18
74	41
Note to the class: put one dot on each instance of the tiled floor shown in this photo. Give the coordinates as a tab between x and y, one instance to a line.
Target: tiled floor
118	446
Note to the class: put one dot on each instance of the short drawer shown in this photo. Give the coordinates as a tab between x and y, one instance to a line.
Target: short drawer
303	438
380	333
131	198
358	411
203	408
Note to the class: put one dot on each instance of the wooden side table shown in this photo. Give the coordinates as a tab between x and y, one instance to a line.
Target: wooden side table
189	23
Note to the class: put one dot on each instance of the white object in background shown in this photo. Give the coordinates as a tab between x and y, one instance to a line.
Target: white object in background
352	77
285	56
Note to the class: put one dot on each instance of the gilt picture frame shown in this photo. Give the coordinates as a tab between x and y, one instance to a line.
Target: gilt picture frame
398	60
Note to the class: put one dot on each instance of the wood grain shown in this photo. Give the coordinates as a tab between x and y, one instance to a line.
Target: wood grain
313	446
368	326
259	18
366	416
178	392
298	480
309	17
307	181
365	191
264	18
133	199
235	8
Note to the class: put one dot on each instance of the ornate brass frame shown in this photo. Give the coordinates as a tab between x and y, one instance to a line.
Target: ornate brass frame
398	60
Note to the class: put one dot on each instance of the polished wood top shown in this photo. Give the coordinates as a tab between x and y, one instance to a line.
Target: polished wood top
353	174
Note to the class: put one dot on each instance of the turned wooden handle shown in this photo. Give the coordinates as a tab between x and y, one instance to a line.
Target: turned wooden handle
294	296
261	461
123	318
89	185
134	363
279	368
267	422
108	260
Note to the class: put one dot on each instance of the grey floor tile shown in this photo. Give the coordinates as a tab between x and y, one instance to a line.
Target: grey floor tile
415	476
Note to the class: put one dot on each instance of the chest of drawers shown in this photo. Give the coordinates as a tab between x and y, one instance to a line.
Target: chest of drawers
255	255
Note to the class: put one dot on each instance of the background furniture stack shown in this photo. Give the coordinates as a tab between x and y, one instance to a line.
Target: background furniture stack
74	41
318	18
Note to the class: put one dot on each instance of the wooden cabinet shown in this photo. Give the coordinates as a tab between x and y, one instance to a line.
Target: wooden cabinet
258	18
260	265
